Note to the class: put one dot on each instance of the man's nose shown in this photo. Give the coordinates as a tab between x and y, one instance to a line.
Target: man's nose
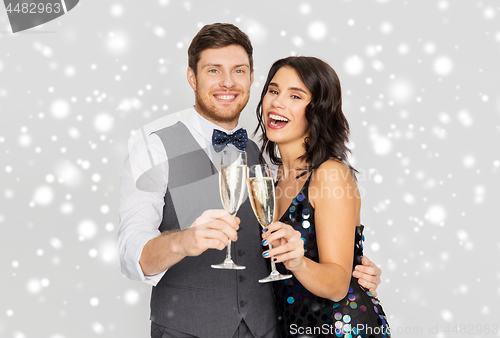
227	80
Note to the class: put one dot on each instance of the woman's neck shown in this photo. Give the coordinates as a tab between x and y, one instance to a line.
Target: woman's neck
292	165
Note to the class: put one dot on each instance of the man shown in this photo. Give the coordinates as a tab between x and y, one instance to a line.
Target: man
163	242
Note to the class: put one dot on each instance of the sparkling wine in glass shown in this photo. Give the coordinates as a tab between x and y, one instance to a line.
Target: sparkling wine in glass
262	198
232	177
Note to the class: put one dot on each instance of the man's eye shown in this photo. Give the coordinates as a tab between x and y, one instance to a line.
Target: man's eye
212	71
240	71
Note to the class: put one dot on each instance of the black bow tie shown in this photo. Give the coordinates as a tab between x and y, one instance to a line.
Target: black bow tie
220	139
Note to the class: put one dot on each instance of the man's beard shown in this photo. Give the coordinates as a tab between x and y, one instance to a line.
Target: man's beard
207	109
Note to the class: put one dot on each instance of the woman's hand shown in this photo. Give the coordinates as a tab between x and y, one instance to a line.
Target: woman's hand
287	243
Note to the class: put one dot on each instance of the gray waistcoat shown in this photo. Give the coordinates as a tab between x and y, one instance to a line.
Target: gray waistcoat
192	297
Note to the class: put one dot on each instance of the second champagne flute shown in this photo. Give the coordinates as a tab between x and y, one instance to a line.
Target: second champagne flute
232	177
262	198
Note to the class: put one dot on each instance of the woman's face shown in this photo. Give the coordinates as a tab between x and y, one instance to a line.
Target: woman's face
284	108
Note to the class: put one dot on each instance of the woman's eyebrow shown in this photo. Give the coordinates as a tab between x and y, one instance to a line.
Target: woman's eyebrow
297	89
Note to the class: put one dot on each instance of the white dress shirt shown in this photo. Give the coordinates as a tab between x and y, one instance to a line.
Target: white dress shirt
143	184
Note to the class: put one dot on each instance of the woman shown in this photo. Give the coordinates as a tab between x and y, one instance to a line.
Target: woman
318	202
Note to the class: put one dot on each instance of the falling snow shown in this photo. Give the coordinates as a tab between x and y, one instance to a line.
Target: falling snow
419	91
354	65
443	65
60	108
87	229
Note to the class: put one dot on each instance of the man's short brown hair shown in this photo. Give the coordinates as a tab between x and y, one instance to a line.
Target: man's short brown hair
217	35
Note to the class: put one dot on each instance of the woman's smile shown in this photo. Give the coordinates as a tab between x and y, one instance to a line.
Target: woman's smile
285	107
276	121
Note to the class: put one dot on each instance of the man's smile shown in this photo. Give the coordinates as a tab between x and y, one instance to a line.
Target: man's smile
226	97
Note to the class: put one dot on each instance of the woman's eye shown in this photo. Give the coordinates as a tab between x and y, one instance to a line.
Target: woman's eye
296	97
272	91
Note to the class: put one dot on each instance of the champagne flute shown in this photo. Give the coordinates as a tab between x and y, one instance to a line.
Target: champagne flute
232	177
262	198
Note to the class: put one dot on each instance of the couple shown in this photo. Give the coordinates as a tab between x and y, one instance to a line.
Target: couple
164	241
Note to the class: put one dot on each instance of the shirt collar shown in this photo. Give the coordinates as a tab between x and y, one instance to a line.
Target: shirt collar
204	126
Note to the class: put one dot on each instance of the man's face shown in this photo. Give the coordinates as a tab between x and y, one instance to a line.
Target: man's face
222	85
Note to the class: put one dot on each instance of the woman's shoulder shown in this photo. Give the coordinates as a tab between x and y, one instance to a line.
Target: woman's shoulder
332	182
333	170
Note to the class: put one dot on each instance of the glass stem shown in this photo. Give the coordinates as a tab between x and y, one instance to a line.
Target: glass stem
273	265
228	252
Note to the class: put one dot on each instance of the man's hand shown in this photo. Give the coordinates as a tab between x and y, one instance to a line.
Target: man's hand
211	230
368	275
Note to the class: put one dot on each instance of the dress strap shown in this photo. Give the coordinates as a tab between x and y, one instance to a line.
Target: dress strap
305	172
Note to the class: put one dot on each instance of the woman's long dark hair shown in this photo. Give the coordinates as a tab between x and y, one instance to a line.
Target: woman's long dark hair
329	129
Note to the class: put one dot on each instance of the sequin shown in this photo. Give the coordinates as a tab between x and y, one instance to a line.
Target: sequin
296	305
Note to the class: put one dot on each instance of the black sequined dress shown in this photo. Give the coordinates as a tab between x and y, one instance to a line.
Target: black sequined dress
301	313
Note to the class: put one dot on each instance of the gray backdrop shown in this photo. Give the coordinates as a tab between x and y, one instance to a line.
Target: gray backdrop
420	87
